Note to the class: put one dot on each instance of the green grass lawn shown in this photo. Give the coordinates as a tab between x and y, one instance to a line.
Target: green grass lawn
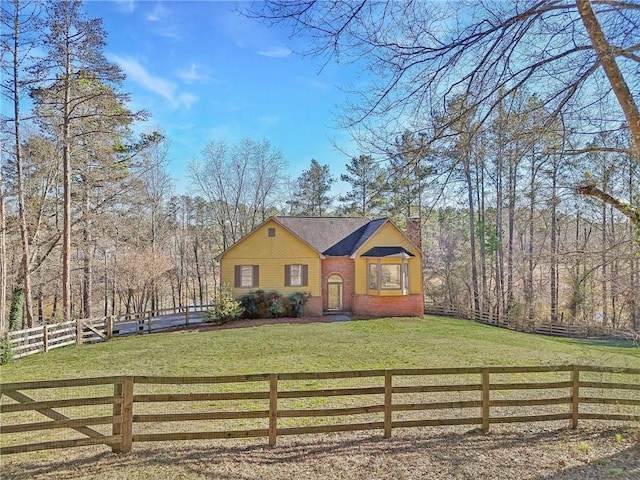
356	345
364	344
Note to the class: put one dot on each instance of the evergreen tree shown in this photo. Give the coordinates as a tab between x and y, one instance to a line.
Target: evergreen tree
74	51
312	191
408	170
368	180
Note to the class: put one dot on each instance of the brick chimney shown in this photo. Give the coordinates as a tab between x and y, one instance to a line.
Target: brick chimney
414	231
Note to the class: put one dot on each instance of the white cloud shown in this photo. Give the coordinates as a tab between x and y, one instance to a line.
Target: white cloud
160	86
275	52
126	6
192	74
158	13
187	99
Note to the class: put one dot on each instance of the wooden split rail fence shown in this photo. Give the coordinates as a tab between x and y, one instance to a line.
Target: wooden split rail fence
121	410
88	330
559	329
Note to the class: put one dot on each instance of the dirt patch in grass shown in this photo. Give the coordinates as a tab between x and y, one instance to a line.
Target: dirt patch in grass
509	452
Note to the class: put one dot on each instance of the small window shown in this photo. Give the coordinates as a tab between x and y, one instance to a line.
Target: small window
246	276
405	278
272	232
296	275
373	276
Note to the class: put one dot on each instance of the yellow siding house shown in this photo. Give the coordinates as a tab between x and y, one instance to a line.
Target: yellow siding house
356	265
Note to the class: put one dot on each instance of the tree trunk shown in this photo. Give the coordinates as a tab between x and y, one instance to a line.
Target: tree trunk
22	211
15	312
500	300
40	306
511	228
54	309
603	271
634	284
472	233
66	193
528	290
198	268
480	189
3	262
87	261
554	241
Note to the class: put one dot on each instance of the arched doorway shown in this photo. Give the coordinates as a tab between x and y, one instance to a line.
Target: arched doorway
334	292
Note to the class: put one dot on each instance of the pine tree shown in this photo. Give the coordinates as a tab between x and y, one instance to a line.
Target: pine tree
74	51
312	191
368	182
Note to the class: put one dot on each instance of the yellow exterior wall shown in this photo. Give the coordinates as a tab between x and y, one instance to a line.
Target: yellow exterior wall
272	254
388	236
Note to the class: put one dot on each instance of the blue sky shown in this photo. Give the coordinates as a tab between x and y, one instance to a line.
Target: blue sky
205	73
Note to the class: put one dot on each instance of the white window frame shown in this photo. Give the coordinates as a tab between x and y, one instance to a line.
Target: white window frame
296	275
376	273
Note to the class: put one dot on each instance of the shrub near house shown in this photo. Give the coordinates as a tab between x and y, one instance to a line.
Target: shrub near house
366	267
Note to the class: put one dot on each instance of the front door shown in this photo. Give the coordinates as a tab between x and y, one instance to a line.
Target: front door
334	293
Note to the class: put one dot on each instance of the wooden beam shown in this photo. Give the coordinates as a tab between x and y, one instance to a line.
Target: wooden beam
48	412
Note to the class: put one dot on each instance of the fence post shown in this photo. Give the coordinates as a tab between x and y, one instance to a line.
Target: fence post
123	390
575	396
45	337
186	316
149	319
108	324
388	390
273	409
485	400
79	338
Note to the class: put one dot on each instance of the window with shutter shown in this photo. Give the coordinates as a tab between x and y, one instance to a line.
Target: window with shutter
246	276
296	275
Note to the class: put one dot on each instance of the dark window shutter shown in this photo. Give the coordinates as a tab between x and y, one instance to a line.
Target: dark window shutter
237	279
287	275
256	275
305	275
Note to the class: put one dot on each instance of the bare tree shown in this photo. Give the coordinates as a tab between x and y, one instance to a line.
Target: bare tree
241	182
424	53
158	188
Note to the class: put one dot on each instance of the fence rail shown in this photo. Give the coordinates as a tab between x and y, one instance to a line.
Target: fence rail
92	330
55	335
119	411
560	329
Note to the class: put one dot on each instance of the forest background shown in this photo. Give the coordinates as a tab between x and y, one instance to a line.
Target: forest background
512	133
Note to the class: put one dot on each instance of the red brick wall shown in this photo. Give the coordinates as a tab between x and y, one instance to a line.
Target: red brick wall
389	306
313	308
345	267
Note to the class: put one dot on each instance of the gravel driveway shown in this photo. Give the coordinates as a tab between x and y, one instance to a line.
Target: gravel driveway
594	451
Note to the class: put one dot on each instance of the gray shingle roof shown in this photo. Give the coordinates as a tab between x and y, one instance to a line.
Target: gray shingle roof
332	236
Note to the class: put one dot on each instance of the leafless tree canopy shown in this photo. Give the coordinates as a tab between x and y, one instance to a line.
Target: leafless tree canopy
418	55
581	60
